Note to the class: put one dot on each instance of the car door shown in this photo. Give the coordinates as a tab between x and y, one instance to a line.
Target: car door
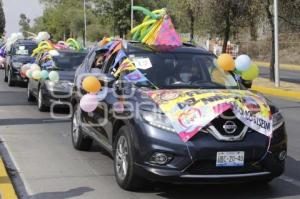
102	117
34	84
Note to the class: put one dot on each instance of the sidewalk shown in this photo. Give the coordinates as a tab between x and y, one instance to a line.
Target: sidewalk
286	89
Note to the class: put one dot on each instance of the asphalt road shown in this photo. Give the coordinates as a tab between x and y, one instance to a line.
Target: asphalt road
44	165
285	75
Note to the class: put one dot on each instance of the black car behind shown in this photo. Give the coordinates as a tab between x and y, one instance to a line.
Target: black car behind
19	54
48	92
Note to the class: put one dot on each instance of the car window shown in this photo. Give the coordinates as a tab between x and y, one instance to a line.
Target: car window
23	49
183	70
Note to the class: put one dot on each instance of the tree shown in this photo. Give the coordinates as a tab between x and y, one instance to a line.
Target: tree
192	9
289	14
2	19
25	24
228	15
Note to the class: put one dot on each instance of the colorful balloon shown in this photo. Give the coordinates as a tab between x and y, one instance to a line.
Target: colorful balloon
89	103
242	62
54	76
251	73
44	74
36	74
226	62
91	84
35	67
29	73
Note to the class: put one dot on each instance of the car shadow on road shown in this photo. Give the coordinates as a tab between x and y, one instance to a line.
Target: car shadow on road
284	186
76	192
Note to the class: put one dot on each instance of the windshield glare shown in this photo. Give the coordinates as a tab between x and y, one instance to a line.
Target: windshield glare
67	61
183	70
25	50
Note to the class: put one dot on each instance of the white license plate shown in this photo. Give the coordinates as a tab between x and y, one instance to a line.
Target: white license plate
230	159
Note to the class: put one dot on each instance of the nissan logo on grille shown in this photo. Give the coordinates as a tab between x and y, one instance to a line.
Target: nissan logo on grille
229	127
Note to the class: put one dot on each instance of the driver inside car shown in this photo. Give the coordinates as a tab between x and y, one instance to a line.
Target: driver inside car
186	75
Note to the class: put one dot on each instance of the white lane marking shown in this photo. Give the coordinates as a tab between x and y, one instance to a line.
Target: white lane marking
16	165
290	180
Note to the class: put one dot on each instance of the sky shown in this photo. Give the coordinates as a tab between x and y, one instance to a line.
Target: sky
13	9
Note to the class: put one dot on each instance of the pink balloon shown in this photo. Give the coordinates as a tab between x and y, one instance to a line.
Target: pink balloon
89	103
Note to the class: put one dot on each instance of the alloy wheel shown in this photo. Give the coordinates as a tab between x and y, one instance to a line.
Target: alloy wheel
122	157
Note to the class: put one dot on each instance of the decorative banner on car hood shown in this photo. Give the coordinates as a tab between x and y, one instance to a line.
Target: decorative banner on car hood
191	110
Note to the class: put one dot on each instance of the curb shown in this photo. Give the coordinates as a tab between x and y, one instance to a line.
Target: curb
290	67
6	188
295	95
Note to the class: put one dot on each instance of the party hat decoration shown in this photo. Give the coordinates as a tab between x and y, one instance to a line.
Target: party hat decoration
157	30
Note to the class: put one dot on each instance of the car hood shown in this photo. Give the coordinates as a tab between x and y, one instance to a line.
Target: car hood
191	110
66	75
23	59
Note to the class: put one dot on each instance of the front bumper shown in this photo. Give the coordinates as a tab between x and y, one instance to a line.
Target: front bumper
16	76
56	98
194	162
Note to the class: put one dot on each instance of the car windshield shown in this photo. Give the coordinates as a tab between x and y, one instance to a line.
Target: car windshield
24	49
68	61
182	70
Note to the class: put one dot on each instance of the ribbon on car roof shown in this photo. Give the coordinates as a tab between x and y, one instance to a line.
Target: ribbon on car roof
189	111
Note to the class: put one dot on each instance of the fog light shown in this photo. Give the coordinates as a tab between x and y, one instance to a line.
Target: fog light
282	155
160	158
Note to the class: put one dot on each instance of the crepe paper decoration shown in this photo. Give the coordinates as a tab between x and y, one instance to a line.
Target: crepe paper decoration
104	41
121	55
189	119
156	30
126	65
136	76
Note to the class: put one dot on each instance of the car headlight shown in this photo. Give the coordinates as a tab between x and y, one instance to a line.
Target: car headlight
60	85
157	119
278	120
17	65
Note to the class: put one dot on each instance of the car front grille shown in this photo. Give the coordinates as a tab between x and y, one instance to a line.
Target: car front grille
208	167
220	121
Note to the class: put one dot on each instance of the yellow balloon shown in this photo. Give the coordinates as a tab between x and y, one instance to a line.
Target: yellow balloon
251	73
91	84
226	62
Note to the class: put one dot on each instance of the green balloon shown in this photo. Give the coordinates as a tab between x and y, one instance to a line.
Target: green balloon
237	72
251	73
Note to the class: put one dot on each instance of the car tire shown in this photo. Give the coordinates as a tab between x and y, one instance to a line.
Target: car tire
80	141
124	162
5	76
30	96
11	83
40	102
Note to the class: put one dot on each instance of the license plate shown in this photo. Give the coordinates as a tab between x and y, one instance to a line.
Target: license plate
230	159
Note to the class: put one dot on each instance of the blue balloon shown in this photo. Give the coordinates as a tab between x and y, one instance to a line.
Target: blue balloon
44	74
242	63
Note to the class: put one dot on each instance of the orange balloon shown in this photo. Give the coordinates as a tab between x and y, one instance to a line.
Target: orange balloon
226	62
91	84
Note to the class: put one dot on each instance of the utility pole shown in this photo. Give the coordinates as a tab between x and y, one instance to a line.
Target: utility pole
277	79
84	13
131	14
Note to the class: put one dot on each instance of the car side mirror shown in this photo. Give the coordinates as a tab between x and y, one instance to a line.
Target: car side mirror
247	84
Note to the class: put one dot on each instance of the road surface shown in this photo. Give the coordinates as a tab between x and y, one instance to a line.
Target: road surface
44	165
285	75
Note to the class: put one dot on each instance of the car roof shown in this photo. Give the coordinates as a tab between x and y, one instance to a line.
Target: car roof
134	47
71	51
